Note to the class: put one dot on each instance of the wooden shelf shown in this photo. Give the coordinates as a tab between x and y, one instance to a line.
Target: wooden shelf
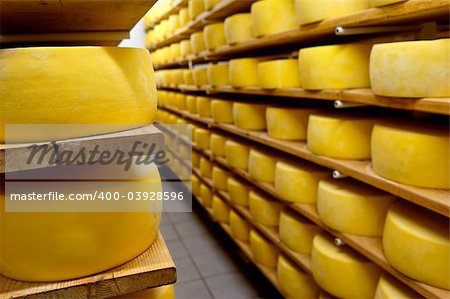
152	268
173	10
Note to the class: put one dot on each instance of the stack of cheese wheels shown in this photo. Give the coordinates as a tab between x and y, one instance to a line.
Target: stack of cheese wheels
263	251
273	16
340	135
240	228
243	72
391	288
237	154
249	116
197	42
238	191
188	77
195	7
40	246
220	178
287	123
264	210
205	195
297	181
164	292
261	166
220	209
214	36
414	234
279	73
217	144
205	168
195	183
183	17
218	74
191	104
296	232
238	28
204	106
351	207
411	76
222	111
412	153
341	271
294	282
98	96
208	4
202	138
200	76
335	66
185	48
311	11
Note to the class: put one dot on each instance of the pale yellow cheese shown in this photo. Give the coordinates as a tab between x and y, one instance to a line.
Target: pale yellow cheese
205	195
237	154
222	111
391	288
411	69
191	103
197	42
377	3
195	184
311	11
412	153
279	73
287	123
174	23
264	210
240	228
178	76
220	178
261	166
238	28
205	168
416	243
341	271
220	210
183	17
200	76
249	116
214	36
294	282
195	7
237	191
164	292
263	251
243	72
273	16
204	106
335	66
202	138
218	145
217	74
185	48
195	159
188	76
180	100
208	4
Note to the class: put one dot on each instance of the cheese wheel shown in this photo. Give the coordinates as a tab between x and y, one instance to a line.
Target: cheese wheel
94	86
264	211
238	192
243	72
297	232
178	76
294	282
273	16
218	145
335	67
279	73
205	195
195	159
222	111
240	228
217	74
181	102
237	154
174	23
197	42
413	234
220	210
214	36
339	135
263	251
195	184
297	182
220	178
238	28
412	153
351	207
311	11
287	123
202	138
200	76
164	292
377	3
341	271
174	51
205	168
400	70
191	103
195	8
208	4
391	288
249	116
188	77
261	166
183	17
185	48
204	106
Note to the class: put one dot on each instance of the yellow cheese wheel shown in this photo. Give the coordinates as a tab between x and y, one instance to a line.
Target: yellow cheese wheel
220	178
336	66
243	72
202	138
279	73
261	166
237	154
263	251
180	101
208	4
205	195
204	106
191	103
222	111
287	123
200	76
249	116
377	3
341	271
174	51
339	135
238	28
264	210
238	192
195	7
413	234
94	86
391	288
273	16
197	42
297	182
195	184
183	17
195	159
294	282
240	228
400	70
185	48
188	76
178	76
174	23
214	36
220	209
349	206
218	145
297	232
164	292
311	11
205	168
412	153
217	74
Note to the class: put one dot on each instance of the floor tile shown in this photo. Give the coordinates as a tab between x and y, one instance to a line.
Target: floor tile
214	263
186	270
231	286
196	289
168	232
177	249
194	227
178	217
201	244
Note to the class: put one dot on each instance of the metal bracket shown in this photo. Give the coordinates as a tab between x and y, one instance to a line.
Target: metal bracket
345	31
338	175
338	104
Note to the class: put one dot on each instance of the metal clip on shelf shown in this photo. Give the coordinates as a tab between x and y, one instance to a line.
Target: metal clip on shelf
338	104
338	175
344	31
339	242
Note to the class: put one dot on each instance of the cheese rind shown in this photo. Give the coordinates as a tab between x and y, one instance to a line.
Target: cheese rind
240	228
311	11
238	28
377	3
191	103
197	42
218	145
183	17
261	166
195	7
263	251
218	74
205	168
195	184
188	77
243	72
208	4
294	282
222	111
205	195
237	154
220	178
249	116
200	76
391	288
287	123
185	48
273	16
220	210
279	73
204	106
202	138
264	211
238	192
214	36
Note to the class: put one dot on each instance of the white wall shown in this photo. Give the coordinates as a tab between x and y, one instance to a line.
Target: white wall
137	37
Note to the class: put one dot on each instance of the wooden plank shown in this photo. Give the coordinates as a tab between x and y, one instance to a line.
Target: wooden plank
152	268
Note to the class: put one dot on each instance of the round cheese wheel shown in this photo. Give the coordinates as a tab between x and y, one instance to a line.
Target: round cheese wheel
188	76
294	282
164	292
311	11
238	192
261	166
179	76
217	74
94	86
412	153
174	23
214	36
197	42
181	102
400	70
377	3
335	67
287	123
202	138
205	168
220	178
204	106
222	111
218	145
349	206
185	48
264	210
174	51
195	159
220	210
249	116
208	4
200	76
273	16
297	182
341	271
263	251
195	184
195	8
205	195
391	288
238	28
413	234
191	104
297	232
243	72
279	73
183	17
237	154
240	228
